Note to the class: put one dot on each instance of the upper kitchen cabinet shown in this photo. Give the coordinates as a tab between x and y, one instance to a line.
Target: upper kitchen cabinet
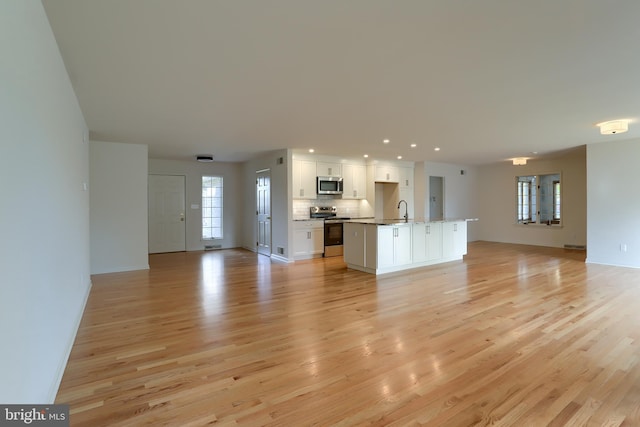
406	177
386	173
329	169
304	179
354	181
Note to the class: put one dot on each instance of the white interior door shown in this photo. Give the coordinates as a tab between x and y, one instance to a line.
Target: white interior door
263	211
166	213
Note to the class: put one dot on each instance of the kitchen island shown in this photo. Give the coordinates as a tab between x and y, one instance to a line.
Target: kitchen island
381	246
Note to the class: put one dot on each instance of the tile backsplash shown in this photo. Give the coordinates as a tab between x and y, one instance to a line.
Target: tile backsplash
346	208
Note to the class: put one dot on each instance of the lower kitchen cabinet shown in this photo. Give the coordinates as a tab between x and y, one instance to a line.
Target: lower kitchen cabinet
380	248
308	239
394	245
454	239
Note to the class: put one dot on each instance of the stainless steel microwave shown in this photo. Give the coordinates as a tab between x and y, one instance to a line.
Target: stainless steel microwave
329	185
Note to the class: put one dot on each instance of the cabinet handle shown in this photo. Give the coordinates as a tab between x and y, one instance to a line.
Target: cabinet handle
308	234
455	227
387	176
301	192
428	229
330	170
407	182
355	193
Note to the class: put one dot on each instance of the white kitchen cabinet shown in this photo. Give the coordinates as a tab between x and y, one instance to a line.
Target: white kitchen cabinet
434	240
454	239
354	181
419	242
355	244
304	179
386	173
329	169
394	245
405	177
373	247
308	239
427	241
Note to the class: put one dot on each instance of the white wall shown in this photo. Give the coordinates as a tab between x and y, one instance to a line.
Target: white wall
497	200
231	198
44	213
613	204
281	201
460	192
119	230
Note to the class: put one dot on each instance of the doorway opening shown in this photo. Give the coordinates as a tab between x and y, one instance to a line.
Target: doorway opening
436	197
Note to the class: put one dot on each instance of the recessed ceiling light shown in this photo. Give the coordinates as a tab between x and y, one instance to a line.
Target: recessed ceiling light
414	145
399	157
436	149
366	155
311	150
385	141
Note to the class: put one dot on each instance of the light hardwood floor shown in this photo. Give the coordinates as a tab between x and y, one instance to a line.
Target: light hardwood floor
512	335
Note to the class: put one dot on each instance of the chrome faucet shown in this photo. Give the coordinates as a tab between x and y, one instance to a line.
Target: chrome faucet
406	210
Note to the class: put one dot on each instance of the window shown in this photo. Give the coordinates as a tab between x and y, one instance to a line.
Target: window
556	200
211	207
538	199
526	205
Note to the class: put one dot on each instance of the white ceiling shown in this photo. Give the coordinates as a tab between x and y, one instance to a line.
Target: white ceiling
484	80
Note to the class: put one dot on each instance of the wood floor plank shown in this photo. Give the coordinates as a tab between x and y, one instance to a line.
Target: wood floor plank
511	335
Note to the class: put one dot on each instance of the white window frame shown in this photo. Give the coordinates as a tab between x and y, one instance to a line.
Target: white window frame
212	208
539	204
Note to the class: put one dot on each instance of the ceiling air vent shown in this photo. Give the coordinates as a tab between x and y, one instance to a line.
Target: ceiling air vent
204	158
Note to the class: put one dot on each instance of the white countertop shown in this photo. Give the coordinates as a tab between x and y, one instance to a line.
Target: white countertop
399	221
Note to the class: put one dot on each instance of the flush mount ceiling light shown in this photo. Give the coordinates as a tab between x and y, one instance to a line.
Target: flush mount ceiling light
520	161
613	127
385	141
205	158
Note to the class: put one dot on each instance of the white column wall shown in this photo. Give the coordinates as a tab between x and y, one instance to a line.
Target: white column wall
119	221
613	207
44	213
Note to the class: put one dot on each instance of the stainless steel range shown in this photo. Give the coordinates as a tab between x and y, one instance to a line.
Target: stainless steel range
333	233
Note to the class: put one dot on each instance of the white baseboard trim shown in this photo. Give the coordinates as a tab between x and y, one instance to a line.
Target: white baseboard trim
122	269
56	385
276	257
